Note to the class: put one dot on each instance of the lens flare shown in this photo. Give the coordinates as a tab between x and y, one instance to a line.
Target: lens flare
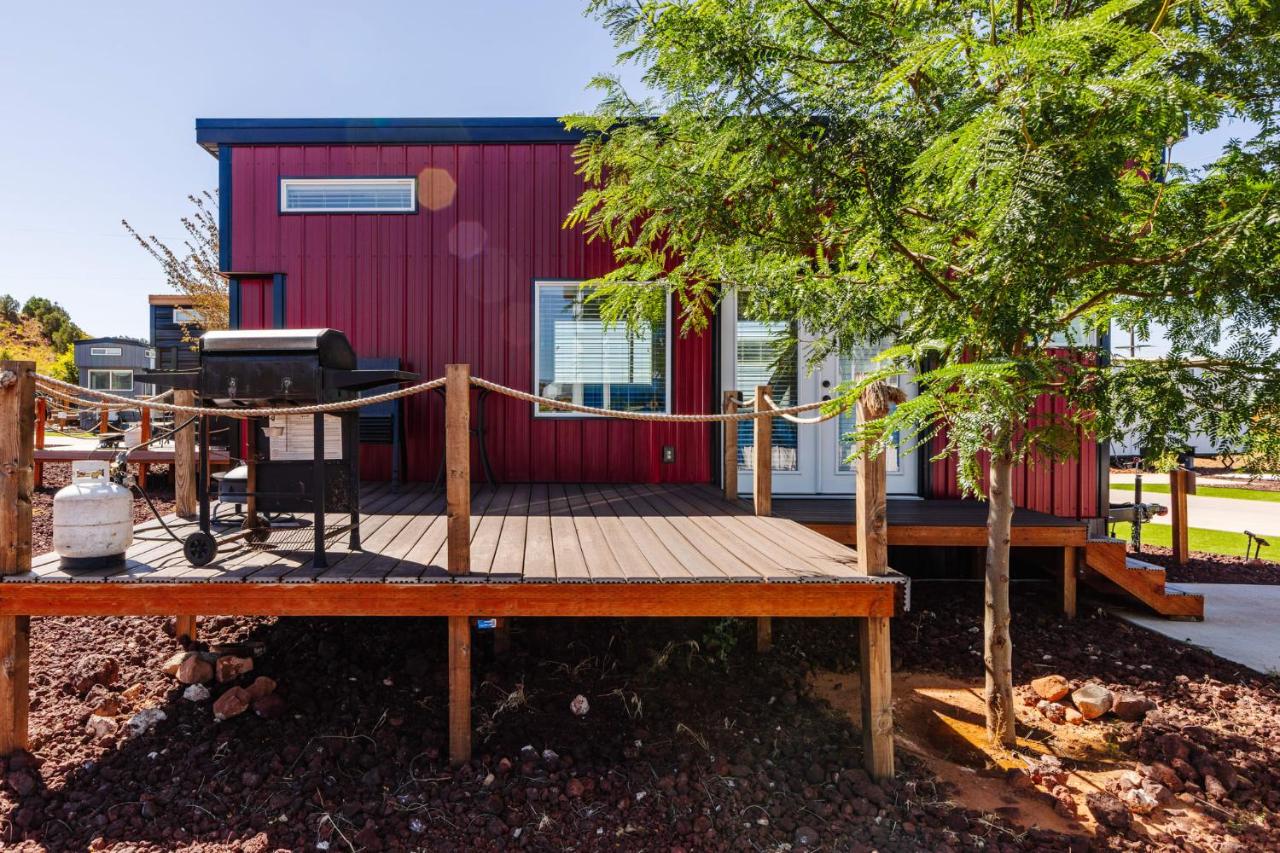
436	188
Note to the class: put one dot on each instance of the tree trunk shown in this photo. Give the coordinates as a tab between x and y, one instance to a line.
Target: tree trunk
998	650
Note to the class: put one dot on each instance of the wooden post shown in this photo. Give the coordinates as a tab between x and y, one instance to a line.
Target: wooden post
184	458
17	481
103	425
764	633
730	447
42	416
874	670
459	689
762	456
145	436
457	454
185	628
502	635
1070	555
1178	489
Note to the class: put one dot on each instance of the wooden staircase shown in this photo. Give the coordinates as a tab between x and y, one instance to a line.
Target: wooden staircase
1108	558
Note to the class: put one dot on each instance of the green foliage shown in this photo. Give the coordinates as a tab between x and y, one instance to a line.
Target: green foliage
978	181
194	269
64	367
8	308
55	322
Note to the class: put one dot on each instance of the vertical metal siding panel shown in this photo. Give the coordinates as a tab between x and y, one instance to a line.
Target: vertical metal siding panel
417	356
565	261
490	292
242	193
264	249
313	285
1064	473
545	433
1088	478
517	415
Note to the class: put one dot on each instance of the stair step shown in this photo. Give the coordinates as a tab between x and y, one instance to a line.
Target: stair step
1144	581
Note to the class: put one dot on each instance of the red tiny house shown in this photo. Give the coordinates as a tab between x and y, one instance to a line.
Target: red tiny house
452	280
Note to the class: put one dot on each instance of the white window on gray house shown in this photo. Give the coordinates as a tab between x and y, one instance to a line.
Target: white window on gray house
579	359
111	380
348	195
185	317
108	351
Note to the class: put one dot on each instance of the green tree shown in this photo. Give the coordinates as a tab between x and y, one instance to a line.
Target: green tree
193	270
975	180
8	308
55	322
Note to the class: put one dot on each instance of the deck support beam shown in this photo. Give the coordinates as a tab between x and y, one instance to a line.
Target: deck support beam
459	689
17	481
1070	558
764	634
185	629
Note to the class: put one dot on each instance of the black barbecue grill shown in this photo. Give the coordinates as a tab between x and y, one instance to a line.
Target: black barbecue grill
283	368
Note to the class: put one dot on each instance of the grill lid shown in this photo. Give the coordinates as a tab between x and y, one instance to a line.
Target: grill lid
330	347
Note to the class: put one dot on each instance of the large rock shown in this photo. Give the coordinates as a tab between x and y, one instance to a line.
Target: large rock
1093	700
1108	811
93	669
195	669
1051	688
260	687
101	728
1138	801
1052	711
231	667
231	704
1131	707
170	667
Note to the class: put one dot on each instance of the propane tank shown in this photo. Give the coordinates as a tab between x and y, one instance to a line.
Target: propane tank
92	518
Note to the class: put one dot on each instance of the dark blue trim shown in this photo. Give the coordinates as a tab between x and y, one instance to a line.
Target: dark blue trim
214	133
277	300
280	195
233	303
224	208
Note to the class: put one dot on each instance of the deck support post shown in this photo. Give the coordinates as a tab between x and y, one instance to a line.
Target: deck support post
459	689
1070	556
184	459
185	629
764	634
730	447
1181	484
457	451
872	511
17	481
502	635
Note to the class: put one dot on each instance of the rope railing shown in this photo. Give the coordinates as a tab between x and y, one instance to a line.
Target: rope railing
67	391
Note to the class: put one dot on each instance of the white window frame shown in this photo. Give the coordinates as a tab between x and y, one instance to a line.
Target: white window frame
106	351
185	317
109	371
537	346
285	183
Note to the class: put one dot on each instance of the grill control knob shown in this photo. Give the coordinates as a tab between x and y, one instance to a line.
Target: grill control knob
286	385
231	387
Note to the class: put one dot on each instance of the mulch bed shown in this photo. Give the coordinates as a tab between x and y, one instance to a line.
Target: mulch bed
1212	568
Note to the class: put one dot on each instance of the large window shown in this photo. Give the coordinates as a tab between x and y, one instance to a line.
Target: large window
111	380
104	350
579	359
348	195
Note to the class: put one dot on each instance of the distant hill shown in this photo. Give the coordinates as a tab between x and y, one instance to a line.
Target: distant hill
24	340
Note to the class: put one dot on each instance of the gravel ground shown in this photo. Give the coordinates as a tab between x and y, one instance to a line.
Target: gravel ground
1212	568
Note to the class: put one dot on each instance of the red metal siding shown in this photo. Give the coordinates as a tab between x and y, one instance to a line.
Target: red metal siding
455	284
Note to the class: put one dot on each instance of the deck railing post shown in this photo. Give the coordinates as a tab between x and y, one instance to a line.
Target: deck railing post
144	436
875	673
730	447
457	451
1180	485
184	459
762	455
17	480
42	418
104	424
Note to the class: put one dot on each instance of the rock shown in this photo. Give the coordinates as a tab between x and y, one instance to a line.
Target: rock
102	702
1185	770
1131	707
807	836
1173	746
1074	717
102	728
145	720
1213	788
231	704
1138	801
196	693
1051	688
170	667
1165	775
21	782
574	788
1052	711
579	706
269	707
195	669
231	667
260	687
1108	811
260	843
1093	700
815	774
1160	793
93	669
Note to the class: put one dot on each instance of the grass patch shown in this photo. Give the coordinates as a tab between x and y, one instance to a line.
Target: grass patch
1206	491
1199	539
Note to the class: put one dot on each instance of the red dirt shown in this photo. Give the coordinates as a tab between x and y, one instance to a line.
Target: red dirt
1212	568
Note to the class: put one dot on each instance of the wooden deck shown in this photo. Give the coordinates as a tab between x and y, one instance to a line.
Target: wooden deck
933	522
536	550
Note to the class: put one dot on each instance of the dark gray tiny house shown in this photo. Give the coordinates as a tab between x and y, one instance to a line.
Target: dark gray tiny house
173	327
110	364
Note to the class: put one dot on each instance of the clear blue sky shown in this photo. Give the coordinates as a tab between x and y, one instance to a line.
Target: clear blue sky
100	102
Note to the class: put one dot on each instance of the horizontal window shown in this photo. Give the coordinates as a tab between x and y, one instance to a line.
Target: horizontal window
348	195
104	350
185	317
579	359
111	380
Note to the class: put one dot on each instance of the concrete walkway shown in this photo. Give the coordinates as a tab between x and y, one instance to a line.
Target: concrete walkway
1231	514
1239	623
